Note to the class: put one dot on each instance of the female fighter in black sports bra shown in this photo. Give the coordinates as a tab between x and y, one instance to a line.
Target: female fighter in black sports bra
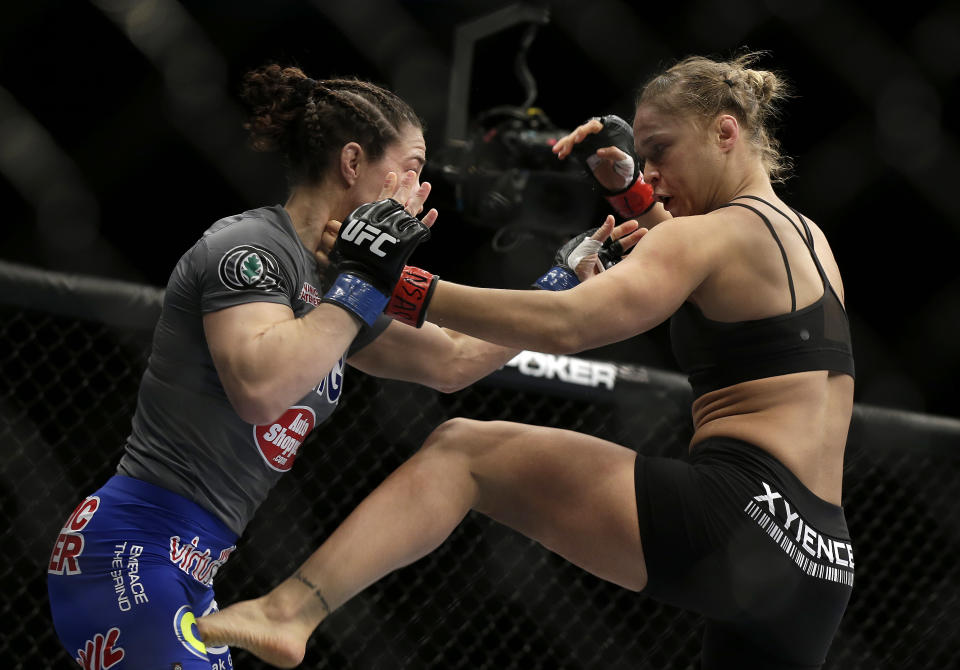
748	531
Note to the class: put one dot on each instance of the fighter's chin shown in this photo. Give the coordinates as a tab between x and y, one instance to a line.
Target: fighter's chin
677	208
671	205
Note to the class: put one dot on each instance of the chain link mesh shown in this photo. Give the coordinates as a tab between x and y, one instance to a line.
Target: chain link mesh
488	597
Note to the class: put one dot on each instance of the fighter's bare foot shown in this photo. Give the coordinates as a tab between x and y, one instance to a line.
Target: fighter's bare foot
249	625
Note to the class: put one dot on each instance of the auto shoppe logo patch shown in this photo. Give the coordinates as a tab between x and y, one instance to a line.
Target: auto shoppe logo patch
279	442
246	266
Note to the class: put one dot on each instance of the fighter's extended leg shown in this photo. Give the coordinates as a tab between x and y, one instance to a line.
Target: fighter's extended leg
571	492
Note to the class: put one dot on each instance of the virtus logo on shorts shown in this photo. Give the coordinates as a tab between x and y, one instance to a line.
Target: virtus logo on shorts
201	565
185	626
280	441
246	266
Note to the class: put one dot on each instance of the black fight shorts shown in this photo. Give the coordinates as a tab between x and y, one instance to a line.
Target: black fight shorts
732	534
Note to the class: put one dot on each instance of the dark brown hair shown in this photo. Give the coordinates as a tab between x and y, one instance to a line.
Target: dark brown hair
706	88
309	121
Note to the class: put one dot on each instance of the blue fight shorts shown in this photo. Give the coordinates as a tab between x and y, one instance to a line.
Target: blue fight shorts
131	570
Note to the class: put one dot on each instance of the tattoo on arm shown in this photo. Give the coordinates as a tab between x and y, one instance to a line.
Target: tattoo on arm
316	590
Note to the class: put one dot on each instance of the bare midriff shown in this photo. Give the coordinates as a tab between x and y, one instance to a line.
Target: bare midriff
801	419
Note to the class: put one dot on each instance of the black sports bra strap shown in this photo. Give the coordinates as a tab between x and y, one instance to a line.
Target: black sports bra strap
783	252
806	228
816	259
806	234
808	238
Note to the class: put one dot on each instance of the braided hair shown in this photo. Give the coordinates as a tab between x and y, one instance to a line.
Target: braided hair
308	121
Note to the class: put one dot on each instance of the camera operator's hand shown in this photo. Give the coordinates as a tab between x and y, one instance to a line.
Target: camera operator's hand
604	145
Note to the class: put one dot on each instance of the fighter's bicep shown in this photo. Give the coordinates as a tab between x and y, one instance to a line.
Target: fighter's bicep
231	332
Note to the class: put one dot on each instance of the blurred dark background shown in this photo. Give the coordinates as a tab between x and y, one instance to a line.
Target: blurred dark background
121	137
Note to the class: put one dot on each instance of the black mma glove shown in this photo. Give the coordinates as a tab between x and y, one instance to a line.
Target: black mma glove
370	253
563	273
634	197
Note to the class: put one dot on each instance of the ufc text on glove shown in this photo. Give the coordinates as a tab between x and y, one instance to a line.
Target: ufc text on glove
372	248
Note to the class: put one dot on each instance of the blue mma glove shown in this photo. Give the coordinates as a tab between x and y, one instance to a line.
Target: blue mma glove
563	275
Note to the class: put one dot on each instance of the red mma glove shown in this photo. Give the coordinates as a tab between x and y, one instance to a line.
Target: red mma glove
411	296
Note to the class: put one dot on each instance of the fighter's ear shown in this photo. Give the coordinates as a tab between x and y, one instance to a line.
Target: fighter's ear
351	157
727	131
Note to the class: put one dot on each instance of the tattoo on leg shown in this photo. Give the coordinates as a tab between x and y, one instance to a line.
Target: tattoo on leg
316	591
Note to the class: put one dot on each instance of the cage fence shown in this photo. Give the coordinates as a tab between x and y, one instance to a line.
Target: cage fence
71	357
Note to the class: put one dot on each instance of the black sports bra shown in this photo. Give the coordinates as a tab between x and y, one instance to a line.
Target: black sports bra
715	354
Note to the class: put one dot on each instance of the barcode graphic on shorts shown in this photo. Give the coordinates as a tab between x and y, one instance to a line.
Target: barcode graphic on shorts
809	565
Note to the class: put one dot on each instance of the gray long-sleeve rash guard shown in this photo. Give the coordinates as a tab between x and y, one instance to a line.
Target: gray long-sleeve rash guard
186	436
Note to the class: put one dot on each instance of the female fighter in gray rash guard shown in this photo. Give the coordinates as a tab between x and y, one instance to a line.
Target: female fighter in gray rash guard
748	530
249	356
